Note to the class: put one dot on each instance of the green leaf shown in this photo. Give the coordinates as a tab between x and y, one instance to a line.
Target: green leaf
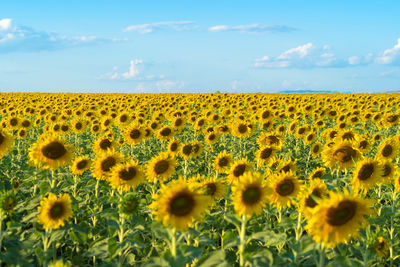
216	258
269	238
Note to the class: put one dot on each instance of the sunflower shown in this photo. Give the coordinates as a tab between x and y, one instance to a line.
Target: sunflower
250	195
133	134
308	199
316	149
310	138
173	146
80	165
185	150
197	149
338	218
54	211
387	149
238	168
287	165
213	187
104	163
178	124
6	142
265	154
211	138
50	152
103	144
126	176
285	187
8	202
178	204
317	173
240	129
165	133
389	170
363	144
341	155
129	205
222	162
366	175
270	139
161	166
381	246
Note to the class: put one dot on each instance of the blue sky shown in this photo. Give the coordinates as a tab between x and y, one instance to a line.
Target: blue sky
202	46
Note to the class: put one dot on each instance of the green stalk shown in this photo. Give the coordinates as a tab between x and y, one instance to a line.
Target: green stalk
173	242
242	240
321	256
298	229
391	232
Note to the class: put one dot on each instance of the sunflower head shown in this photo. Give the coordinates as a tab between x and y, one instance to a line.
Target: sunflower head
53	211
337	218
341	155
129	205
126	176
250	195
8	202
223	162
237	169
366	175
50	152
285	187
104	163
161	167
310	196
178	204
80	165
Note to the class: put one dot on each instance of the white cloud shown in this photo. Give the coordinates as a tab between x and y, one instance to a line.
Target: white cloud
5	24
152	27
391	55
300	52
135	72
21	38
309	56
260	28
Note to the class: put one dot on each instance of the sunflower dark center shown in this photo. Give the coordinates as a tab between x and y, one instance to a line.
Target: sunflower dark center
178	122
317	174
195	148
13	122
211	189
310	137
239	170
286	168
242	128
251	195
161	166
310	201
165	132
127	174
134	134
387	151
187	149
266	153
366	172
174	146
78	126
57	211
64	128
123	118
363	144
182	204
105	144
285	187
392	118
1	138
272	139
387	170
223	162
26	124
342	214
344	154
315	149
82	164
54	150
108	163
302	131
211	137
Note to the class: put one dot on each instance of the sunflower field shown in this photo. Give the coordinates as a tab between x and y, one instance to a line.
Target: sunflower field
199	179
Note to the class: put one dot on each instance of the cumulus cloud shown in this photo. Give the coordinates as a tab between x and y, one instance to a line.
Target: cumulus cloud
14	38
390	56
134	72
156	26
310	56
252	28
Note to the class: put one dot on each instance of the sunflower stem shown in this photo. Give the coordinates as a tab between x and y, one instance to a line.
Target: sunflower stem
279	215
75	185
242	240
321	256
391	232
96	189
1	227
53	181
173	242
298	229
